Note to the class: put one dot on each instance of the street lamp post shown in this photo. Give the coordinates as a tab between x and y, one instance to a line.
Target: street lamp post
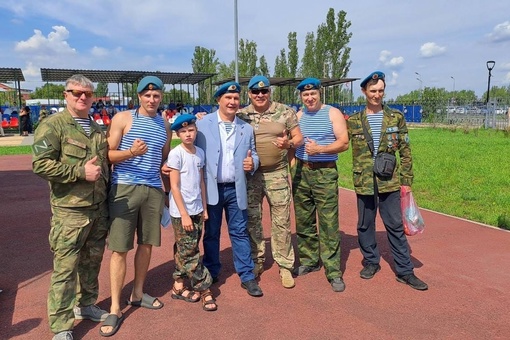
421	82
490	66
453	83
236	33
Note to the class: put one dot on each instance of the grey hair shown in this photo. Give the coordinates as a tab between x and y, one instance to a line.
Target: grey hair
81	80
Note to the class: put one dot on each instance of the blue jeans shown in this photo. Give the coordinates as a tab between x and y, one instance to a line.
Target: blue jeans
236	222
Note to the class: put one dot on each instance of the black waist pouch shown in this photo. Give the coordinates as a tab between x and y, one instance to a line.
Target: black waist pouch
384	164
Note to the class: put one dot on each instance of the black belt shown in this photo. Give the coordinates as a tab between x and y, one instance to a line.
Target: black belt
317	165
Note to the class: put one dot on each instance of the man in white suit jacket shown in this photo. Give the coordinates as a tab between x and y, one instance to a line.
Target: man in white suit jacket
229	146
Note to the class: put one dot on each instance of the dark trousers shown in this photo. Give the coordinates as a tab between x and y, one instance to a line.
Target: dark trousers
389	209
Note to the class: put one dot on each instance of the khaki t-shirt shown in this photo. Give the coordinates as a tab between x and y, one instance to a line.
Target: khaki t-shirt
267	127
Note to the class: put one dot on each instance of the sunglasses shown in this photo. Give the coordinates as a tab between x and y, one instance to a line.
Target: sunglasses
78	93
263	91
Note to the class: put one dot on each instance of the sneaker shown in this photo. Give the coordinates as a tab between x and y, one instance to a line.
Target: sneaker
65	335
91	312
303	270
369	271
412	281
287	279
252	287
337	284
259	269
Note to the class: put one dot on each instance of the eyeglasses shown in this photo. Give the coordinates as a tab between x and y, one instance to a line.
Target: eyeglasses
78	93
263	91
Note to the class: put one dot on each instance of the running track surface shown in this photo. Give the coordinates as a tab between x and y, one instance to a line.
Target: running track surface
466	265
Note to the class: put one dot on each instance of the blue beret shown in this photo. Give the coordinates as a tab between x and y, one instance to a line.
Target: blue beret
373	75
258	82
309	84
183	121
231	87
146	82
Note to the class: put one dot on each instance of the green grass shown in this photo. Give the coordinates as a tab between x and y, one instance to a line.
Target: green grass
15	150
27	149
465	173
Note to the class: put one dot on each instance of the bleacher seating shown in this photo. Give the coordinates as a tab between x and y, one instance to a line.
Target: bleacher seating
14	122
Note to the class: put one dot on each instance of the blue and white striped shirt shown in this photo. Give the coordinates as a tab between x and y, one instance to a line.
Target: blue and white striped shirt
375	122
84	123
144	169
316	126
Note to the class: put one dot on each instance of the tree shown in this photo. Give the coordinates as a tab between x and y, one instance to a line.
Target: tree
500	94
101	89
48	91
204	61
308	65
263	67
177	95
293	54
281	69
326	53
247	58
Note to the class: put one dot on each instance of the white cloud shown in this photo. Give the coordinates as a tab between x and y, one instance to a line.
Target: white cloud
31	71
99	52
501	32
55	43
393	80
431	49
507	78
390	62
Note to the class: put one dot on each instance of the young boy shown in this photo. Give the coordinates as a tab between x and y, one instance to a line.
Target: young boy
186	162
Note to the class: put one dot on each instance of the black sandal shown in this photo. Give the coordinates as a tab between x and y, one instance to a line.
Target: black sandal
206	303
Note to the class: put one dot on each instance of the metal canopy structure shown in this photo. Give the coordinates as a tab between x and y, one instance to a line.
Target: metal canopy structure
11	74
123	77
15	75
275	81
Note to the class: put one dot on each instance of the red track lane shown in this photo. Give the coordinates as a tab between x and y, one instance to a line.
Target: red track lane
465	264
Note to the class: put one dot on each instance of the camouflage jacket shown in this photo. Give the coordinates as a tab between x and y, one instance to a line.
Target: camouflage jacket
394	137
60	150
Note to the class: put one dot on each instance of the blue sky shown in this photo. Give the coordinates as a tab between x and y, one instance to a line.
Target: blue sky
436	39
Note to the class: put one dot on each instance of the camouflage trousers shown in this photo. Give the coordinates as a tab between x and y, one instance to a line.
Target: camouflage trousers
274	185
187	254
77	240
315	193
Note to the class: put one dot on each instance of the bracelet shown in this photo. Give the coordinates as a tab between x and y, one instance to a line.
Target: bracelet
131	152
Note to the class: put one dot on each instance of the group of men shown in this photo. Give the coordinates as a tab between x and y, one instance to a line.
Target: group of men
114	185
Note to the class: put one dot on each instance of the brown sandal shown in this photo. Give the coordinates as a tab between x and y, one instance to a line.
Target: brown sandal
179	294
206	303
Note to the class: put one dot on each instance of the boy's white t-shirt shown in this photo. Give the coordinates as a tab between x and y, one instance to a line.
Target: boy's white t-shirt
189	166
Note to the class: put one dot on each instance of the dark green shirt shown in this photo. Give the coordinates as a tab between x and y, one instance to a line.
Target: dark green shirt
60	150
